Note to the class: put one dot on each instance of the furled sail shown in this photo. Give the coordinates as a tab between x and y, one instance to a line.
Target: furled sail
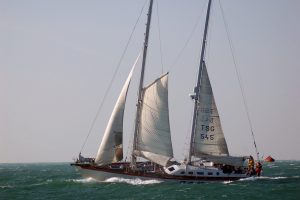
154	137
209	138
111	147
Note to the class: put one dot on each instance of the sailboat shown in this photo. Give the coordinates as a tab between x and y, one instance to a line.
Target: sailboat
208	157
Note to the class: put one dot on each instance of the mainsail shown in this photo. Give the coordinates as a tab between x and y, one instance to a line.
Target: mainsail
154	138
209	138
111	147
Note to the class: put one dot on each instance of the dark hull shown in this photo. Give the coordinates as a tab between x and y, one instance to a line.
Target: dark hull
102	173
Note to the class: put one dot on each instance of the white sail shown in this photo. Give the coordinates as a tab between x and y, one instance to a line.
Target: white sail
209	138
111	147
154	138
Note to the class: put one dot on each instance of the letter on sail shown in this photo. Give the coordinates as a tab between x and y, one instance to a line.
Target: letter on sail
154	138
111	149
209	138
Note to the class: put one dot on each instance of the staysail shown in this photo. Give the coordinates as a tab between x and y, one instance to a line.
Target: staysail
111	147
154	137
209	138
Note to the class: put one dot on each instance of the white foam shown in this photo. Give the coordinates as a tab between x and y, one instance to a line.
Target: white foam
83	180
132	181
5	186
227	182
41	183
279	177
253	178
271	178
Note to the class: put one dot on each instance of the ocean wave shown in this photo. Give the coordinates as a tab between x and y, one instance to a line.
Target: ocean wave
6	186
48	181
132	181
271	178
83	180
253	178
227	182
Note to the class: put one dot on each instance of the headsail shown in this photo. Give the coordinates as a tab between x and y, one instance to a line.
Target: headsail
111	147
209	138
154	137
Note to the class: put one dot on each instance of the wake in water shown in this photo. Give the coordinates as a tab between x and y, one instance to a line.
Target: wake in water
84	180
115	180
227	182
131	181
153	181
253	178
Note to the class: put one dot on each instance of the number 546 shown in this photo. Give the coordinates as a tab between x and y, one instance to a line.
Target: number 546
207	137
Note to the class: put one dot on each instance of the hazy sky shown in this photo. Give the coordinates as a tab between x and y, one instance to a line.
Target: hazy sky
57	58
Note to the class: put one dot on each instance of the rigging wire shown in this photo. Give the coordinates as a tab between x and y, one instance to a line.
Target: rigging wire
113	78
187	138
239	79
188	39
159	37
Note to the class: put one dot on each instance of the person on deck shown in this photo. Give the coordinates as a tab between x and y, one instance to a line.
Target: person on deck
251	165
258	168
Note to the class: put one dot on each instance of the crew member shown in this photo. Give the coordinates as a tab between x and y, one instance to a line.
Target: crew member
251	165
258	168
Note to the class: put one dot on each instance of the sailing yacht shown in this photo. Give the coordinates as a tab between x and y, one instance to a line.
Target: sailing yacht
208	157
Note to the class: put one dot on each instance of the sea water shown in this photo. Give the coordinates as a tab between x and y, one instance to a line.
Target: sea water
280	180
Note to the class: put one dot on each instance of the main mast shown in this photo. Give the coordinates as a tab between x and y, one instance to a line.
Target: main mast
197	88
140	91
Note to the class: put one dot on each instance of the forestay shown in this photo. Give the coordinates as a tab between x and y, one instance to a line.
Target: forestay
111	147
154	137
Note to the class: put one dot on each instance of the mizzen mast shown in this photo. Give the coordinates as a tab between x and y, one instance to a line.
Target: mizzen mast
197	88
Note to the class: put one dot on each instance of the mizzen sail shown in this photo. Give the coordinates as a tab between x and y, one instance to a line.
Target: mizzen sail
154	137
111	147
209	137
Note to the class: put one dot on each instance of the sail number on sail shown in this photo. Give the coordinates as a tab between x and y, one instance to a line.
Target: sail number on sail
206	129
207	137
